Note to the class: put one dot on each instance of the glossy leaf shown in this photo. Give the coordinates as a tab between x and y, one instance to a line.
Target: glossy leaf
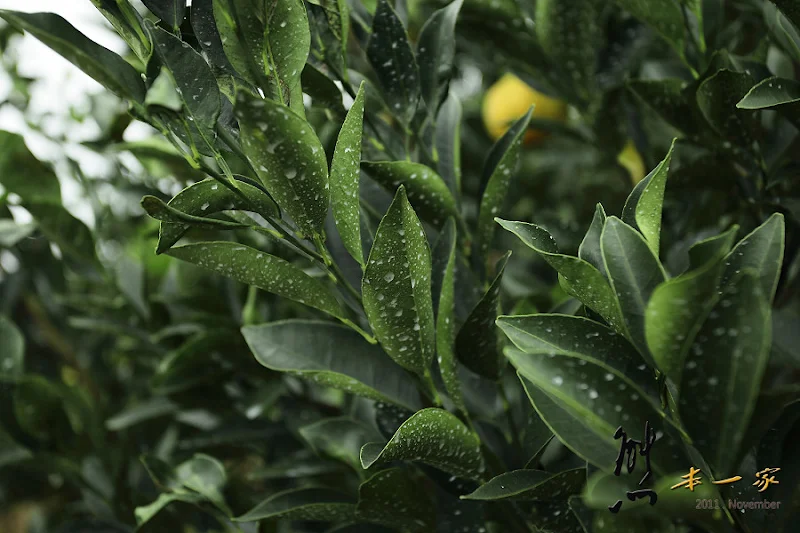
171	12
436	49
762	252
395	498
476	343
434	437
667	97
717	98
196	83
426	190
106	67
588	341
12	350
723	372
773	93
578	277
262	270
205	29
531	485
391	57
589	249
334	356
316	504
266	42
583	408
288	158
345	172
340	438
119	13
678	306
497	171
644	205
397	288
445	317
448	143
634	273
208	197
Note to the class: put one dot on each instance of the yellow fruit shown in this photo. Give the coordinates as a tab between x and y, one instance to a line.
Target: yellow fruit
509	99
630	158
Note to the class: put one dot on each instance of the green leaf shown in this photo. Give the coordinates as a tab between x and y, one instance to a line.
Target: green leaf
106	67
668	98
530	485
761	252
723	371
790	8
322	90
447	142
206	476
334	356
141	412
207	34
781	94
536	438
24	175
645	203
664	16
436	49
345	171
445	317
717	97
145	513
634	273
208	197
569	34
587	341
583	408
288	158
60	227
589	250
268	43
315	504
171	12
396	288
476	343
267	272
391	57
12	350
196	83
578	277
434	437
500	165
159	210
128	24
426	190
678	307
287	42
339	438
395	498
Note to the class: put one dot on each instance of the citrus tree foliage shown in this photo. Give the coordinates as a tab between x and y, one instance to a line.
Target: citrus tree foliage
323	327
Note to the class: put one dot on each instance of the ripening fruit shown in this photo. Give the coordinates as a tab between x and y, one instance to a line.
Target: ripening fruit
509	99
630	158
